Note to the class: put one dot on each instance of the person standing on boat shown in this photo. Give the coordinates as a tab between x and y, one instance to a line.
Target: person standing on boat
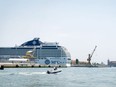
55	68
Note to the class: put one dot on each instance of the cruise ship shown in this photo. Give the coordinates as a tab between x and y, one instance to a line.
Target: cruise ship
45	53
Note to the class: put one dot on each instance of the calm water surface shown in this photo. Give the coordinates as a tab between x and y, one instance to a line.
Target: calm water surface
69	77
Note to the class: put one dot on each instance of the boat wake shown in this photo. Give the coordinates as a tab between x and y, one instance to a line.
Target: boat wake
31	73
28	73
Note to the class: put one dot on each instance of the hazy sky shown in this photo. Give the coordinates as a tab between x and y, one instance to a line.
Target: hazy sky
78	25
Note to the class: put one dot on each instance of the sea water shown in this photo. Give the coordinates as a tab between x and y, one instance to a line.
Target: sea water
69	77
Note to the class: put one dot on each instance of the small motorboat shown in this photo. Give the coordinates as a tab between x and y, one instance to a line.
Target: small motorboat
53	71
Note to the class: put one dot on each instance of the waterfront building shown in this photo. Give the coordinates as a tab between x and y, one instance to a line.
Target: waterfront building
111	63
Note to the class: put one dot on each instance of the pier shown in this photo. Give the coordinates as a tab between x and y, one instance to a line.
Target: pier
28	65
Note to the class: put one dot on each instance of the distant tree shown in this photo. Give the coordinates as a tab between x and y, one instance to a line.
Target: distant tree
77	61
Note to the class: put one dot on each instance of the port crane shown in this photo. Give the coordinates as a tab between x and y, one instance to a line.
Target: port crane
90	56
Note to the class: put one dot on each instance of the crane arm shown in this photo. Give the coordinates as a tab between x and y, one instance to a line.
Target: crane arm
93	51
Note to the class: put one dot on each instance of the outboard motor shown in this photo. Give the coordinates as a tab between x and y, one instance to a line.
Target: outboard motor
48	72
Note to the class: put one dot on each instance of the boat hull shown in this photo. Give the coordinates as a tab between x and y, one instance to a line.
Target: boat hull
54	72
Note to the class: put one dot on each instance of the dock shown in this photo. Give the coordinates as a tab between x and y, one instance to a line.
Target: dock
28	65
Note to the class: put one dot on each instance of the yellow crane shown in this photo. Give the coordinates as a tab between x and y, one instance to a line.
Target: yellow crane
30	53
